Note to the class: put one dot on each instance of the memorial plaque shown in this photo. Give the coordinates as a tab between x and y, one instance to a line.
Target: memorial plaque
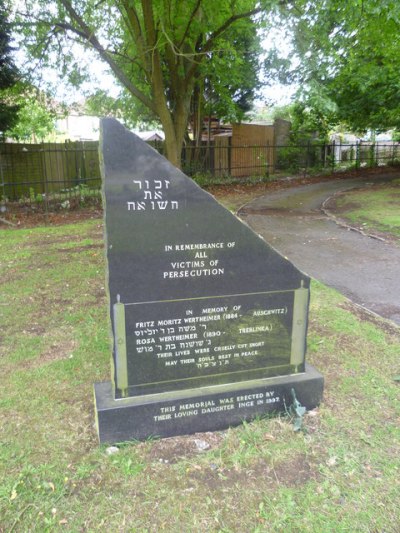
208	321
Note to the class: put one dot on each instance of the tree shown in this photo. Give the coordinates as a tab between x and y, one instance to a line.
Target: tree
124	107
35	118
308	122
158	50
350	59
231	78
8	74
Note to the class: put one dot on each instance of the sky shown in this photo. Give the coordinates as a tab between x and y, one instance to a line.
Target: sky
278	93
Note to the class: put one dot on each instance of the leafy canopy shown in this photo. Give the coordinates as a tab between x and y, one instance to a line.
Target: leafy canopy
8	74
349	59
158	50
35	118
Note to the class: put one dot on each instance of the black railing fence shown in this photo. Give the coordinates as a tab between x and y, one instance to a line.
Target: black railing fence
62	176
244	161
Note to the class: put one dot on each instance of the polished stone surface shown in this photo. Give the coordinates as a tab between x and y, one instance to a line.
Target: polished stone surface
186	277
197	299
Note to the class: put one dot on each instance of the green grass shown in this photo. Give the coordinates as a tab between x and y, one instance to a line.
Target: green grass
374	209
340	475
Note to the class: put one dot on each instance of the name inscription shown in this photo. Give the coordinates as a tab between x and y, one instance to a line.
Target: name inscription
203	337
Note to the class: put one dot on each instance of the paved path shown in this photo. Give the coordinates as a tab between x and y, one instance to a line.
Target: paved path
364	269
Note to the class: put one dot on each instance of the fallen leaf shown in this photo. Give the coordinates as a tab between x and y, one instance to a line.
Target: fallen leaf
331	461
269	437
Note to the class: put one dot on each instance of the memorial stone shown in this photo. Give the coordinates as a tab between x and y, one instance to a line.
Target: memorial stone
208	321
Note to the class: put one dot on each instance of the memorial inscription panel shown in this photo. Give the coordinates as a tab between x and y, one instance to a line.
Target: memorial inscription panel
200	306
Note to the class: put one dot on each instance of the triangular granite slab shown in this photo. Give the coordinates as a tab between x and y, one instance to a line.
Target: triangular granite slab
197	299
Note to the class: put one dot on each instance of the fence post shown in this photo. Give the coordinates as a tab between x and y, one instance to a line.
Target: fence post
357	154
333	155
229	148
372	155
46	189
307	158
3	187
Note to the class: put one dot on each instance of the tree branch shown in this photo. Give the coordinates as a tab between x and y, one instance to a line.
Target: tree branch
133	25
210	41
231	20
193	14
84	31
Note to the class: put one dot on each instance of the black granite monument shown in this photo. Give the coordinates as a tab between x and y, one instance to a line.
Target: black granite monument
208	321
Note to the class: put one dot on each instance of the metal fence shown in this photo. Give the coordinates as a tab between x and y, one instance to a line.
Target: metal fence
63	176
226	159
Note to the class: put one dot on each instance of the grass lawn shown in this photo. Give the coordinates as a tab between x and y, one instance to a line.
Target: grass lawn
375	209
341	474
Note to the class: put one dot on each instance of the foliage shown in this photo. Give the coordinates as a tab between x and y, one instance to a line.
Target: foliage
8	73
158	50
231	78
103	105
396	136
349	57
35	118
124	108
308	122
309	131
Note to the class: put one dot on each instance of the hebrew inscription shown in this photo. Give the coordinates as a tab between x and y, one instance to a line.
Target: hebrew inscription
152	196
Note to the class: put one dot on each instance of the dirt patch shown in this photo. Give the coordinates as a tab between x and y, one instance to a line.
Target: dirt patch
258	189
174	449
294	472
332	205
59	350
80	248
49	240
24	219
99	295
34	329
11	276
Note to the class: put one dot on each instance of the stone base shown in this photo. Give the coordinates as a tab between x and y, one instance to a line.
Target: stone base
196	410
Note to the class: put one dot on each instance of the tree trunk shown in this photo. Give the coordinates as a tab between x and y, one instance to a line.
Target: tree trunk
174	128
173	150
